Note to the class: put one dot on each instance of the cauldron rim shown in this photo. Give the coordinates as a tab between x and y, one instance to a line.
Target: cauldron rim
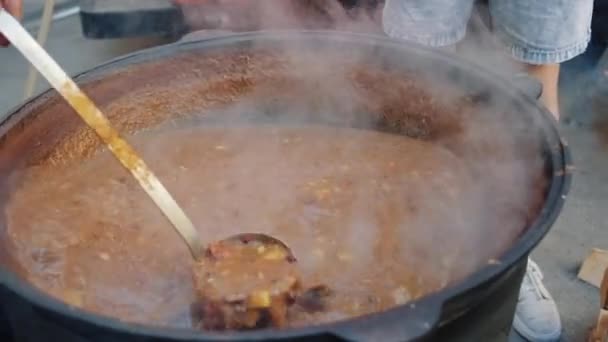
422	313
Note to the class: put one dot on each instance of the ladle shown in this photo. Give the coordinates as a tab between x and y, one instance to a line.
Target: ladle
95	119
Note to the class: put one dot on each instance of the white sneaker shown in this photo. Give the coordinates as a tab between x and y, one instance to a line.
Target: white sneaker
536	315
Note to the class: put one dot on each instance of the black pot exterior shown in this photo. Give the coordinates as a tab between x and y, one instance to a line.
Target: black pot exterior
35	316
489	317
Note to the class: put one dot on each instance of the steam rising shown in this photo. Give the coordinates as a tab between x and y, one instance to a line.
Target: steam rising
235	15
497	149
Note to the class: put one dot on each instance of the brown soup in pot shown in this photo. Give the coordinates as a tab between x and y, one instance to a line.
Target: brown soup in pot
380	218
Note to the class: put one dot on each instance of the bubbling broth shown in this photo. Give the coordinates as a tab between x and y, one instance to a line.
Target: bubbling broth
381	219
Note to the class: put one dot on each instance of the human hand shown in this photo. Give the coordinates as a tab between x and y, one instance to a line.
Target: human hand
14	7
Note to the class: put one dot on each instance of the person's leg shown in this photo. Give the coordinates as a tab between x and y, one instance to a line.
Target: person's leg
435	23
542	34
548	75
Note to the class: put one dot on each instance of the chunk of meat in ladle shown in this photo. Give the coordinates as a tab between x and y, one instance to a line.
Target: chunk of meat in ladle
246	281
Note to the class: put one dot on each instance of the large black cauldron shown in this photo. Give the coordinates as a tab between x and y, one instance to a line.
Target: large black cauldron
475	308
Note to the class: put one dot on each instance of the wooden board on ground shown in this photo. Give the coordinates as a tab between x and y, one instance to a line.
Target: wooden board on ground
594	266
600	332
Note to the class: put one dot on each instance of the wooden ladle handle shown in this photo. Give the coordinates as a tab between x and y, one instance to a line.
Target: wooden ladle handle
93	117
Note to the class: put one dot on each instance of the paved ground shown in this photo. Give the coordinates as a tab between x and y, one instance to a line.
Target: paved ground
582	225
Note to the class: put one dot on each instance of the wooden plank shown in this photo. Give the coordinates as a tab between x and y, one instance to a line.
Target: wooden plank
592	270
600	332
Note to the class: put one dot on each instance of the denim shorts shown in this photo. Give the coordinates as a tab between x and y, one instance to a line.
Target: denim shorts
534	31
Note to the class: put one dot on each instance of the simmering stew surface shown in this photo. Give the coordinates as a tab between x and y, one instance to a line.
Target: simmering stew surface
381	219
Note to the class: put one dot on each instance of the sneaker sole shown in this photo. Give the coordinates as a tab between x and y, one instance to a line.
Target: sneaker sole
528	334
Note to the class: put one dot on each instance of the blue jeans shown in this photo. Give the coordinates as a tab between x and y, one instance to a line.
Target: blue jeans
533	31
